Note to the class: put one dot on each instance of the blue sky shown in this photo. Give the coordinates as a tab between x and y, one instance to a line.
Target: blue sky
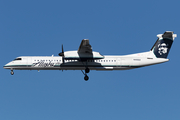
40	27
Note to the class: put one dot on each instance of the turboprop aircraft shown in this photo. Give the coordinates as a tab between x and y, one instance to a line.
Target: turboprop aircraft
86	59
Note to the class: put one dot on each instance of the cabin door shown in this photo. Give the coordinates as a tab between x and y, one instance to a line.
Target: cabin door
118	62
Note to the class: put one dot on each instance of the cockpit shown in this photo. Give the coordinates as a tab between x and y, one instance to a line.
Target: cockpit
17	59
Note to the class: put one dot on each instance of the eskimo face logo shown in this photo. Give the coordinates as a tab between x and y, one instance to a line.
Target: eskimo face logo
162	48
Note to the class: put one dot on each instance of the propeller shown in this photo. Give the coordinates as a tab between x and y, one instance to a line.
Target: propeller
62	54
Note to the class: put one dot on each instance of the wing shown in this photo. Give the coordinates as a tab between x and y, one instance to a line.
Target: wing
85	47
83	53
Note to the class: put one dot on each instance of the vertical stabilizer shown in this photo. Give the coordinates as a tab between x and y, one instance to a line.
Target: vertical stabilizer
163	45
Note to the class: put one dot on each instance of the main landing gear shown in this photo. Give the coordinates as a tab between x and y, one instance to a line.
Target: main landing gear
86	78
12	73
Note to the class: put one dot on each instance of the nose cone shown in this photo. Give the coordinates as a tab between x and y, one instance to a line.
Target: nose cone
7	66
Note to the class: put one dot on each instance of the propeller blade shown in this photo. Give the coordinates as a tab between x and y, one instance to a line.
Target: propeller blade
62	54
62	49
63	59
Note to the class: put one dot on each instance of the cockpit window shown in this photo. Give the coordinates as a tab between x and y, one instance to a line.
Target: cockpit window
18	59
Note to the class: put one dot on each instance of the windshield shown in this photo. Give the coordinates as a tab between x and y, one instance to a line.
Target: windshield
18	59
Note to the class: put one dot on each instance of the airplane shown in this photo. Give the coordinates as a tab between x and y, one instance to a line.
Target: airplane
86	59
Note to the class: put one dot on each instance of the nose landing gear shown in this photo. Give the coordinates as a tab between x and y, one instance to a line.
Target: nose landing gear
12	73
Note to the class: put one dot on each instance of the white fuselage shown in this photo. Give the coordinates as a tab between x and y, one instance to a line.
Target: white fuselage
107	63
86	59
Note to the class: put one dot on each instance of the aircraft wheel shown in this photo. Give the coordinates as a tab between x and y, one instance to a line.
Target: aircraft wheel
87	70
86	78
12	73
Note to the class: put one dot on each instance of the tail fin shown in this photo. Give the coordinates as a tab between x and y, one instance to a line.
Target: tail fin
162	46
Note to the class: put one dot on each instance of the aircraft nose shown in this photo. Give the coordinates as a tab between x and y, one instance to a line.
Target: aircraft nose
6	66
